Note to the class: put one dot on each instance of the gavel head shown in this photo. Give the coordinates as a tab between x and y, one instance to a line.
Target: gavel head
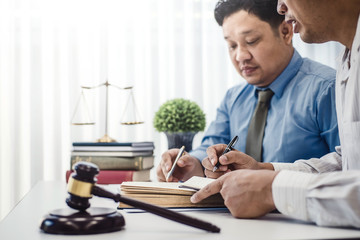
80	185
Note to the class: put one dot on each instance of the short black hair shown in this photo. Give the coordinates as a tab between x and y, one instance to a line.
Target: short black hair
265	10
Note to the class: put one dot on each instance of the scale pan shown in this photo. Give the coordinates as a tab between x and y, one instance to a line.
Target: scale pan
132	123
79	124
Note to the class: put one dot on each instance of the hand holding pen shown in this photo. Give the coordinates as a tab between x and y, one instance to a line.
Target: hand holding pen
181	152
185	166
228	148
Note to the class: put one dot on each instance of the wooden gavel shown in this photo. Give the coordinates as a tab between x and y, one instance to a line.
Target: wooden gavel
82	186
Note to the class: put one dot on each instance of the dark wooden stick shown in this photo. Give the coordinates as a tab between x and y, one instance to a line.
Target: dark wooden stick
163	212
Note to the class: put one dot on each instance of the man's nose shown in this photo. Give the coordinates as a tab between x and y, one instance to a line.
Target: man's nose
281	7
242	54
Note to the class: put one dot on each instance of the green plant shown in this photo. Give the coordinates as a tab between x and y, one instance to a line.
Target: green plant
179	115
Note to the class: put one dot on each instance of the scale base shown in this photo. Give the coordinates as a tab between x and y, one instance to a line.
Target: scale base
106	139
92	221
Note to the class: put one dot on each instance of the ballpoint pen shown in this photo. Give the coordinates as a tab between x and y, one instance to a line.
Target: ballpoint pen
228	148
181	152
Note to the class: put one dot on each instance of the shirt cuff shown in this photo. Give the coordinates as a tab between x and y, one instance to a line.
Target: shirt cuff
200	155
289	190
282	166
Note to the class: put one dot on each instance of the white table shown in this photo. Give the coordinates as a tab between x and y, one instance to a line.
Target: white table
24	220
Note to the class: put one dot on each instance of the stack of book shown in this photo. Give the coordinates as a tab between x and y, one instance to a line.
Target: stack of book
117	161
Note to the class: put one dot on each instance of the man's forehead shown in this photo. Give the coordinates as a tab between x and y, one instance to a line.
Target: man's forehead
245	27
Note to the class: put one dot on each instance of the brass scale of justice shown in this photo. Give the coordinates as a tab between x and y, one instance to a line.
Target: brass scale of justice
80	218
106	137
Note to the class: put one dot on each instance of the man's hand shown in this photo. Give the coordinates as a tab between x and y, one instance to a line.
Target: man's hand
230	161
247	193
187	166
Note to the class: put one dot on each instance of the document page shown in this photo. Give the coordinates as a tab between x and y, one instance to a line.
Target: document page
196	182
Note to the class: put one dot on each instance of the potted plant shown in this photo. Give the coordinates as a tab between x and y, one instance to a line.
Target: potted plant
180	120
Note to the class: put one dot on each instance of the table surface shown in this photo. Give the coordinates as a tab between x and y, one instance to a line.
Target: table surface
24	220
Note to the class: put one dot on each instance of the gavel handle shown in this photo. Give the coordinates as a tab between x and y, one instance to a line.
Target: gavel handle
163	212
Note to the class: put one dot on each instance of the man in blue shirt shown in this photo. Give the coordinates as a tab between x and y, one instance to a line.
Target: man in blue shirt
301	119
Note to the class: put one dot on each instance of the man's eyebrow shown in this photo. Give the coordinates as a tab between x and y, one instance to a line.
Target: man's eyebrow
242	33
247	32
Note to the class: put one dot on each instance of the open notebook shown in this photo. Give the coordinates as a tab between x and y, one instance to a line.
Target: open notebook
169	194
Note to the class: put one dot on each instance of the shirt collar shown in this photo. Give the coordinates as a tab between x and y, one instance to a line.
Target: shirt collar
355	48
347	58
279	84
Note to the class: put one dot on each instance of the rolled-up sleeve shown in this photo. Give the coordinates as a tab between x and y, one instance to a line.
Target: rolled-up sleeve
328	163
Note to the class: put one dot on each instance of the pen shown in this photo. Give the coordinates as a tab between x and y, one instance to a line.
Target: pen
228	148
181	152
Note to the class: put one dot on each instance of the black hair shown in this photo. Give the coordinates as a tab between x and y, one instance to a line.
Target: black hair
265	10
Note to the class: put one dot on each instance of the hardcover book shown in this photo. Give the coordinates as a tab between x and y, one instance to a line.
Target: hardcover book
118	176
169	194
112	153
116	163
107	144
113	146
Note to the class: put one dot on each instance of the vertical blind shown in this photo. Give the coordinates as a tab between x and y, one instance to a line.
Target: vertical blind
165	49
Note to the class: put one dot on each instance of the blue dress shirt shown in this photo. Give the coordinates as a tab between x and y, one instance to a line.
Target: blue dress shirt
301	121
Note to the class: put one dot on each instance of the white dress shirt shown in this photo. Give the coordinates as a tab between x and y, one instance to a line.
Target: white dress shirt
327	190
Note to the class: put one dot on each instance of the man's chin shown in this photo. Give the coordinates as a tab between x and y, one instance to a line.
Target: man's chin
310	38
254	81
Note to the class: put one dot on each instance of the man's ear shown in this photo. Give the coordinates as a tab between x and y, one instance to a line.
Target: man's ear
286	32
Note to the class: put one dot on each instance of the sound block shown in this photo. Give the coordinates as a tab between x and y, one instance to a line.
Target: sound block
72	222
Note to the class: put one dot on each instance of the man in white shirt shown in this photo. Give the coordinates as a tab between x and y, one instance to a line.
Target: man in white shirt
324	190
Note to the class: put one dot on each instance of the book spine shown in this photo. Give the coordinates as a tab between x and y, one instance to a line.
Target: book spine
113	148
112	153
109	177
102	144
111	163
123	144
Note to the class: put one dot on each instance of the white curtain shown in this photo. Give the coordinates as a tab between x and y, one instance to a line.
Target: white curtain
49	48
